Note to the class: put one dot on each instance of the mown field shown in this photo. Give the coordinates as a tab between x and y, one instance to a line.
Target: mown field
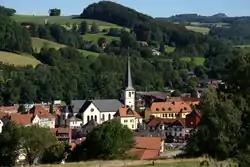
18	59
38	43
157	163
202	30
62	20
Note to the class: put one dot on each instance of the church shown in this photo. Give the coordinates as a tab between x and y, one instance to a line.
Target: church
106	109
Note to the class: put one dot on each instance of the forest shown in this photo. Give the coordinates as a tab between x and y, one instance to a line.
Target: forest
68	74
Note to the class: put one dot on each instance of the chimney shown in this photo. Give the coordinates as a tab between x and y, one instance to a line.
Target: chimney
173	102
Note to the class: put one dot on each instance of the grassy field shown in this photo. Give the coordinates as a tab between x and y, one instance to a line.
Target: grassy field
95	37
169	49
17	59
158	163
38	43
198	60
62	20
202	30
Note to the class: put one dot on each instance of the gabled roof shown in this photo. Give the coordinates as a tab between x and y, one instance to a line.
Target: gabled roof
160	121
127	112
41	112
104	105
170	107
74	118
91	123
22	119
149	143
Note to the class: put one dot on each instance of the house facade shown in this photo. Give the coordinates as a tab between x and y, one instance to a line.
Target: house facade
170	109
129	118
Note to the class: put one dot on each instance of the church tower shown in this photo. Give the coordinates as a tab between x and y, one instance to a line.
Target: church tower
129	91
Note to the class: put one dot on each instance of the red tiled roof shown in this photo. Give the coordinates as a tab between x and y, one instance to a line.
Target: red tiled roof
156	121
127	112
151	143
22	119
170	107
41	112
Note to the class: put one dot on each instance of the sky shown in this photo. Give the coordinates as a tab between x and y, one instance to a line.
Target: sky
155	8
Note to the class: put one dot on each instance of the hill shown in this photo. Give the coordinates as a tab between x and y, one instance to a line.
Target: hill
18	59
114	13
61	20
38	43
217	18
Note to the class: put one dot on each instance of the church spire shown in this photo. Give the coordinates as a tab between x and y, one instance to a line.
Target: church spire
128	79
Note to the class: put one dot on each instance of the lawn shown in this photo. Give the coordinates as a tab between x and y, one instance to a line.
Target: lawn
18	59
38	43
169	49
62	20
95	37
140	163
202	30
198	60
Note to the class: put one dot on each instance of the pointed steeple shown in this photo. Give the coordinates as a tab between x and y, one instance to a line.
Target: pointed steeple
128	78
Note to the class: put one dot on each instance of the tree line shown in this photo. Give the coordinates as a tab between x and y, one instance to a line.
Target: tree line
223	132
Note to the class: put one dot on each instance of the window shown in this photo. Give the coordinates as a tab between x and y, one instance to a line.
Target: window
91	109
180	134
95	118
132	93
132	126
175	134
88	118
103	117
109	117
157	109
91	117
125	121
163	109
172	115
129	94
131	120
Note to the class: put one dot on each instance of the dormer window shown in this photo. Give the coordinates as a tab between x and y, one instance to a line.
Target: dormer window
163	109
157	109
185	108
169	109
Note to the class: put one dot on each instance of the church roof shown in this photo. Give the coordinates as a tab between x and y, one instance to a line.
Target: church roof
128	78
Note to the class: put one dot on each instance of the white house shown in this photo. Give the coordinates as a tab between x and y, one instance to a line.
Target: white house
129	117
74	122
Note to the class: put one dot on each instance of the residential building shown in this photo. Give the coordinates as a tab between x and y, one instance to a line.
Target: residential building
46	118
176	130
63	134
129	117
73	122
24	119
155	52
84	130
170	109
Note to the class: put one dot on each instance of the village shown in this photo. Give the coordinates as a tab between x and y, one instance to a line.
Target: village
161	122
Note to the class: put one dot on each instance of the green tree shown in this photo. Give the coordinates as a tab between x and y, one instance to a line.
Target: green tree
101	41
54	153
217	134
55	12
9	144
84	27
109	140
162	47
51	108
34	141
94	28
21	109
